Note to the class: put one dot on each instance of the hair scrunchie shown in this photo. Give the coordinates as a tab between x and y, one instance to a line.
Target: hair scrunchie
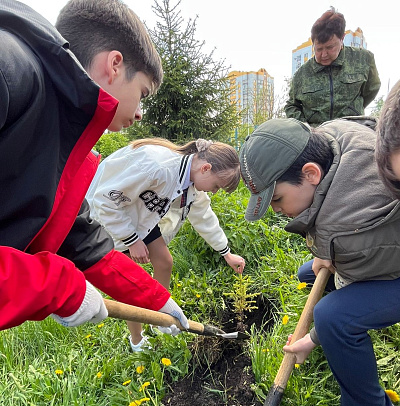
202	144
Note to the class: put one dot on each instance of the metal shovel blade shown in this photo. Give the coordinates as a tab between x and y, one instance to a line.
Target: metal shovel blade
237	335
215	331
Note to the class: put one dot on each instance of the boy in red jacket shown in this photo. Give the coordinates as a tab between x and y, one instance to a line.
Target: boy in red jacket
52	112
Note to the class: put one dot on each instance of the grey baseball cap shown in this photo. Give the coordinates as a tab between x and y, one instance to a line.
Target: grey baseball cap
266	155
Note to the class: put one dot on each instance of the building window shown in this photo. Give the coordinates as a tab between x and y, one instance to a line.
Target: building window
297	62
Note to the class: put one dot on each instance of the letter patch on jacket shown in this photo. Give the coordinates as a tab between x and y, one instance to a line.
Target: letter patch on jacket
117	197
154	203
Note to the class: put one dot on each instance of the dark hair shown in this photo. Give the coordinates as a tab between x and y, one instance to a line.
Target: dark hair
223	158
317	150
94	26
329	24
388	139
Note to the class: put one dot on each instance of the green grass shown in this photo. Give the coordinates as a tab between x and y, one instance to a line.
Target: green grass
99	369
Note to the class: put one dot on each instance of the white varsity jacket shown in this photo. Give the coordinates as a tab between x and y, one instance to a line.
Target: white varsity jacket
136	189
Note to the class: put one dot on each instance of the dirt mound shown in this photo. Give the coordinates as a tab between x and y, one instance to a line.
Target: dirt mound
226	382
222	373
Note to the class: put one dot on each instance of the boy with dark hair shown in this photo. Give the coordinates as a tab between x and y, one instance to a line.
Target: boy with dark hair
52	112
350	222
99	26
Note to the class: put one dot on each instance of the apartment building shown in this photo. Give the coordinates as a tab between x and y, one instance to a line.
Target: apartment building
252	93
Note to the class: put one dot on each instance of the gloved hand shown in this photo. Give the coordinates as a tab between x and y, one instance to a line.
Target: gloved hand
173	309
92	309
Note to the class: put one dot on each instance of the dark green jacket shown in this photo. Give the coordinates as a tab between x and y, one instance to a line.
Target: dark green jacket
321	93
353	221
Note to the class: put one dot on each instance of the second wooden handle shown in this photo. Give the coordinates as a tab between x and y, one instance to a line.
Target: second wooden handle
127	312
276	391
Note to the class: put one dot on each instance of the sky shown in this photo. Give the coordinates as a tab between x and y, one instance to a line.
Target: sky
253	34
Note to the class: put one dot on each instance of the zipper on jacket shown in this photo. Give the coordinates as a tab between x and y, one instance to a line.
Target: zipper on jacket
331	91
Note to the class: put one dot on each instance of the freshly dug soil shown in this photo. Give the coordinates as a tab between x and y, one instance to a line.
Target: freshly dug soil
226	382
222	373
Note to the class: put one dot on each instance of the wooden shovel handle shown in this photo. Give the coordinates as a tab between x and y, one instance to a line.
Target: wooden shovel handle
276	390
127	312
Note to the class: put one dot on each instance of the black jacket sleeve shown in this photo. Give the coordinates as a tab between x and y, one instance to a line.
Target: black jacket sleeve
87	242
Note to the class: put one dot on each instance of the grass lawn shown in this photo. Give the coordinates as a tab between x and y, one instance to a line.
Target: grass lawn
43	363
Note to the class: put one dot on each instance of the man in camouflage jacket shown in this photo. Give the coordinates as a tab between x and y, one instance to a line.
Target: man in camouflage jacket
321	93
338	81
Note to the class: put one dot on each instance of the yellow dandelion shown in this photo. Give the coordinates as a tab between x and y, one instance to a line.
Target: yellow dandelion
99	374
139	402
285	319
198	296
145	385
301	285
59	372
291	276
166	361
297	365
127	382
393	396
100	325
140	369
179	285
88	336
265	350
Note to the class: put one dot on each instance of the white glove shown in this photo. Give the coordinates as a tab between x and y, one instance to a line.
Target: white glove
171	330
92	309
173	309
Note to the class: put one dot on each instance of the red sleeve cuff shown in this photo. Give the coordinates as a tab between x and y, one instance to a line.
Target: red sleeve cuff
121	278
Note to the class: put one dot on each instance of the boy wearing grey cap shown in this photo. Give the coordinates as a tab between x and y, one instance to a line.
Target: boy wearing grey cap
326	179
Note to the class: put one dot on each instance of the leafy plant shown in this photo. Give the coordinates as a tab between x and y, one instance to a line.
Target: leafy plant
110	142
241	298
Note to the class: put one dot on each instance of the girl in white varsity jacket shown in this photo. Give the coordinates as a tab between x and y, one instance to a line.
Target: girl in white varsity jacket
142	194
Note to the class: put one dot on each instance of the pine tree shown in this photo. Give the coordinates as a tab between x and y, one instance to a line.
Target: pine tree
194	99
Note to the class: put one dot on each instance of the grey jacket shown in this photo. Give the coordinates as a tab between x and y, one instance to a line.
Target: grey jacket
353	221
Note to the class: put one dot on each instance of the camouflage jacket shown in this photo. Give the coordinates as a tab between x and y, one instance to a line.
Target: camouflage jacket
320	93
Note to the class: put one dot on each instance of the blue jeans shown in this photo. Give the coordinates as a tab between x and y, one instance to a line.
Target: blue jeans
306	274
342	319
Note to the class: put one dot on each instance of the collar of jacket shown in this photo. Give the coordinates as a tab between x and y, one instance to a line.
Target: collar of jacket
183	168
76	87
339	61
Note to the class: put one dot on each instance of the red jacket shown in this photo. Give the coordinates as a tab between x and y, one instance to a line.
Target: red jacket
51	115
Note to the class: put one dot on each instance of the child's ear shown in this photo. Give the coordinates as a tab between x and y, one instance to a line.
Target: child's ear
312	172
115	65
205	167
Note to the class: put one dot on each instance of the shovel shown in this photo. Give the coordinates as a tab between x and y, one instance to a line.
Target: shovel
127	312
275	393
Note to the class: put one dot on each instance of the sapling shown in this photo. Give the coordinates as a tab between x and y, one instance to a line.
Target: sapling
242	300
